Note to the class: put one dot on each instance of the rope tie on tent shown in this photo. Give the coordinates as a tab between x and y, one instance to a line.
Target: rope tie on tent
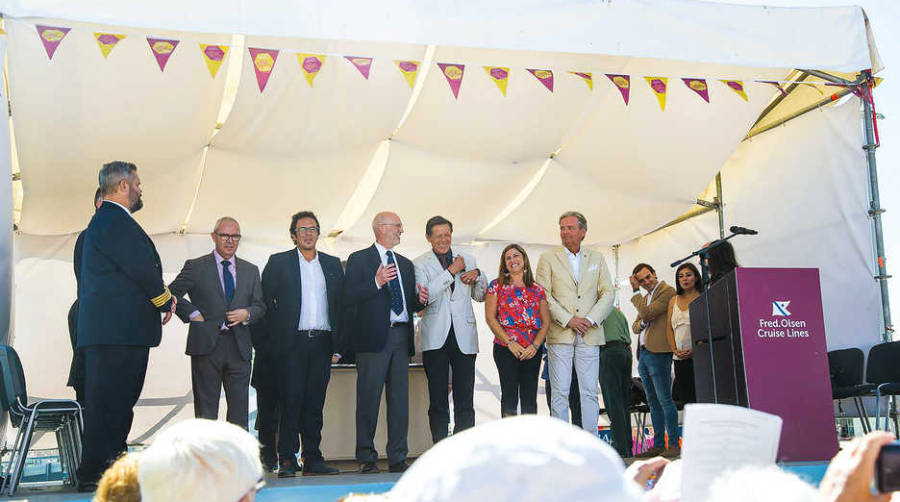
870	97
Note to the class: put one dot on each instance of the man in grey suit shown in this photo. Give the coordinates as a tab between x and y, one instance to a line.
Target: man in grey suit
225	296
449	334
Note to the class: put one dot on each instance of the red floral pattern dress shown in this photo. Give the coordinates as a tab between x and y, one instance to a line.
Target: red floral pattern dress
518	311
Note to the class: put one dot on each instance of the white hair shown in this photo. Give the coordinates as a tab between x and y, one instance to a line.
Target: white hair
199	460
760	484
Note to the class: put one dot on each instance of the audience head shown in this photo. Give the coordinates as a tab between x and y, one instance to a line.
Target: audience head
201	460
645	276
721	260
226	236
387	228
760	484
439	232
687	277
572	229
305	230
518	459
120	182
514	262
120	481
98	198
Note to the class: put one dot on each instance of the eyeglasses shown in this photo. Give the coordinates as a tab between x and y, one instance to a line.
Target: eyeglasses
398	225
307	230
229	237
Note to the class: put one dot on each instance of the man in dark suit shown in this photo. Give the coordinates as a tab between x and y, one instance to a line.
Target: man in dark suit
381	291
225	296
121	296
303	289
76	368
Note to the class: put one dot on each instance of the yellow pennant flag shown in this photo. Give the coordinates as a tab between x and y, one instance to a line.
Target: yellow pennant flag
659	87
410	70
736	86
107	41
311	64
500	76
213	55
586	76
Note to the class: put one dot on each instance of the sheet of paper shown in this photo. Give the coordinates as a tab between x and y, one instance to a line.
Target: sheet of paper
719	438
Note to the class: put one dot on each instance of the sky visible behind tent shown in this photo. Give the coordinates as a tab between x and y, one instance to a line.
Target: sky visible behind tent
884	16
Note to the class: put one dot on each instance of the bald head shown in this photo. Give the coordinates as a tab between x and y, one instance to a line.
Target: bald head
387	228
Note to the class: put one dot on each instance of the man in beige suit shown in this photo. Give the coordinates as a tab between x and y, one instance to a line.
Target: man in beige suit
580	294
655	357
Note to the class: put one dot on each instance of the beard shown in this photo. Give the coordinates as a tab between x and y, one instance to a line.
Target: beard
136	205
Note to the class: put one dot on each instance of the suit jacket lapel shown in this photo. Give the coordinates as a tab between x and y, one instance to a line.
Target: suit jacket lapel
294	271
242	275
585	263
213	269
564	258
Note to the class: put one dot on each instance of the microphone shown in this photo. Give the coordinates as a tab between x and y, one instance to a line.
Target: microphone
742	231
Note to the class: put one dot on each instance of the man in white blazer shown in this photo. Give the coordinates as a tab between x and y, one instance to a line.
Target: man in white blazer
449	335
580	293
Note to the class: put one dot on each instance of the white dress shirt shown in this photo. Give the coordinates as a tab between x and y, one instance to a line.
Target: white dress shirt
120	205
575	262
402	316
313	295
644	325
233	269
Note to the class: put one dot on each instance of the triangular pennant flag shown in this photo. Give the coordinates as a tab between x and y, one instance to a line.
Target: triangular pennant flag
213	55
545	76
410	70
500	76
736	86
51	36
454	75
777	86
699	86
623	83
658	86
587	77
311	64
162	49
263	64
107	41
361	64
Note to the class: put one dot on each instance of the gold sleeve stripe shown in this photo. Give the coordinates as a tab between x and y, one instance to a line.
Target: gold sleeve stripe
161	300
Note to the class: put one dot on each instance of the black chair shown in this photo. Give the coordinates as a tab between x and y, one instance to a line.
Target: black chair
883	370
61	416
846	369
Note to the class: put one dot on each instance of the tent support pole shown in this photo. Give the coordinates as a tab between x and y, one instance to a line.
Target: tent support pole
875	212
720	206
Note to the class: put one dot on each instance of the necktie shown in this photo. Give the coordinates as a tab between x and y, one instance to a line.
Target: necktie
394	287
228	280
446	260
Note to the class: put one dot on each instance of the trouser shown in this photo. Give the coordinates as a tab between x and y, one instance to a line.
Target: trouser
656	375
586	361
304	369
683	389
386	369
114	378
615	384
223	367
437	364
574	399
267	415
518	382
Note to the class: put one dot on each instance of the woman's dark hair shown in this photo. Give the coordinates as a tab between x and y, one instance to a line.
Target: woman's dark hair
698	285
721	261
503	274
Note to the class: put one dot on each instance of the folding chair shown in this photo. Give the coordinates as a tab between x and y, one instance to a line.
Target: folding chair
883	370
61	416
846	369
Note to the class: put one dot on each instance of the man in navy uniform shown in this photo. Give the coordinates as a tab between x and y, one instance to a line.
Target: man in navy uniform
121	295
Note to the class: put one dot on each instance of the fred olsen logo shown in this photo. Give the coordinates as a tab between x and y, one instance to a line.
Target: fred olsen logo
780	308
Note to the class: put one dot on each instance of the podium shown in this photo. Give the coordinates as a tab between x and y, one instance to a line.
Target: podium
768	353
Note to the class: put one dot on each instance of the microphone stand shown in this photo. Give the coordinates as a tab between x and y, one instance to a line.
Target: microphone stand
703	253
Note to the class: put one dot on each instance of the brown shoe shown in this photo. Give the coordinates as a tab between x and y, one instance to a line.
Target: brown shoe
672	452
650	452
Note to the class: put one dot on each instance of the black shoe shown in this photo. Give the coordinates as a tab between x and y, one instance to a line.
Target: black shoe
269	464
369	468
84	487
319	468
287	469
398	467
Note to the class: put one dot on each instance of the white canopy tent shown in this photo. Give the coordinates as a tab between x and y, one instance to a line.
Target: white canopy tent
500	165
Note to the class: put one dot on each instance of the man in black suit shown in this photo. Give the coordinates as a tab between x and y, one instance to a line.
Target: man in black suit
303	289
225	297
381	291
121	296
76	368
